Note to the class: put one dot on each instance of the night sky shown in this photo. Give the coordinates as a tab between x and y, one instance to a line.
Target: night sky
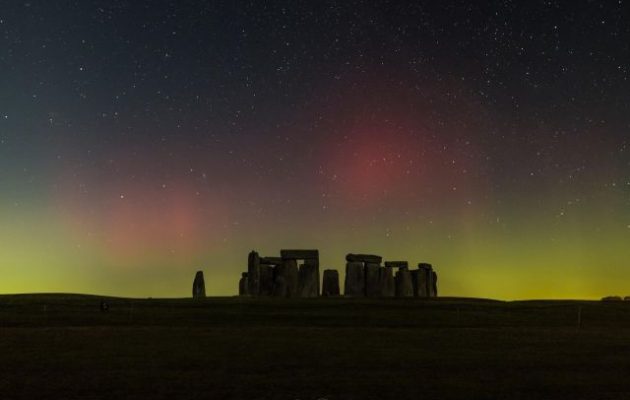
141	141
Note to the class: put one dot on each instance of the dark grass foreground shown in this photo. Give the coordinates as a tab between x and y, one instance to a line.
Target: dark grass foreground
64	347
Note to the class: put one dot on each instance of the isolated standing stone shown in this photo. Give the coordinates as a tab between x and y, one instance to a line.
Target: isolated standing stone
355	279
330	286
372	281
253	273
243	285
404	285
308	279
387	282
199	286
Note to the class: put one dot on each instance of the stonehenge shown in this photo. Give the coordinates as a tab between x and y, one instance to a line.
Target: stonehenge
296	274
199	286
366	277
282	276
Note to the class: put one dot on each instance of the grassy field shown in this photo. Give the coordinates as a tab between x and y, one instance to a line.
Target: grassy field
64	347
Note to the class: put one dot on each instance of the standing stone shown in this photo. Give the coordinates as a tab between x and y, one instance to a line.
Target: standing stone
420	285
372	281
404	285
243	285
199	286
253	273
279	287
266	280
285	279
427	290
434	292
330	286
280	283
355	279
308	279
291	274
387	283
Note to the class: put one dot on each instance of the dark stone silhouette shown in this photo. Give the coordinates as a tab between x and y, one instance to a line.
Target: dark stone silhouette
404	284
285	279
372	280
253	273
355	279
281	277
199	286
387	282
271	260
420	285
397	264
425	281
284	276
308	272
279	280
330	285
364	258
279	285
243	285
308	280
291	272
266	280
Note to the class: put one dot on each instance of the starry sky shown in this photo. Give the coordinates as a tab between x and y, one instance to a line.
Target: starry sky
141	141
